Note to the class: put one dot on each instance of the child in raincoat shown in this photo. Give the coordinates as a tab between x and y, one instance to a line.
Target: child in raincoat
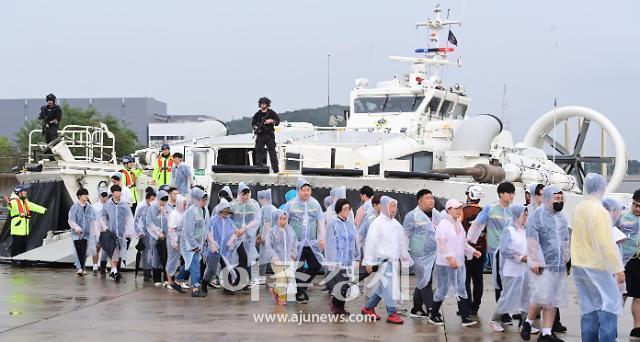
516	291
281	247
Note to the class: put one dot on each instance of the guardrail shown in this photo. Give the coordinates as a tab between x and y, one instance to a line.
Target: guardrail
86	143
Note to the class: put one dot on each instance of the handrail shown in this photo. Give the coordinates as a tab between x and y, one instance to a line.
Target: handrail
86	143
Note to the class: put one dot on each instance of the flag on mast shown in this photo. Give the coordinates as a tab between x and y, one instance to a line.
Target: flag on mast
452	39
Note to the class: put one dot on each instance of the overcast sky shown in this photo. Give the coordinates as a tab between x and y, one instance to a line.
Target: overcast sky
218	57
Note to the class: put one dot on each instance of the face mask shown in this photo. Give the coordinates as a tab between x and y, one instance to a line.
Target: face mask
557	206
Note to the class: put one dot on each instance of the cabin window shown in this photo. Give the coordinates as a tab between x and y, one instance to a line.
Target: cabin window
386	104
433	105
420	161
199	159
445	108
459	111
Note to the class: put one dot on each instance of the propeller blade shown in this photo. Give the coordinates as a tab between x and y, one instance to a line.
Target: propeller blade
563	159
557	146
594	159
579	175
577	148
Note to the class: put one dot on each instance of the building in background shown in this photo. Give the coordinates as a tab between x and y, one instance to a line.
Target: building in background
136	112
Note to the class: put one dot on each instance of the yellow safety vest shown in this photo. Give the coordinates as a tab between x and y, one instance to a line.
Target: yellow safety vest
20	211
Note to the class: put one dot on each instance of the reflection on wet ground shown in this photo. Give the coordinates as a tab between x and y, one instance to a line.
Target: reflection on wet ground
54	305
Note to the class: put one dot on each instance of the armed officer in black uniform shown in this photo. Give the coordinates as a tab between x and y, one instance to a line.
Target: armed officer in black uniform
263	124
50	115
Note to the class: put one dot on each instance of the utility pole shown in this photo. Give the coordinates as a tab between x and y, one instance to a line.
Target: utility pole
328	84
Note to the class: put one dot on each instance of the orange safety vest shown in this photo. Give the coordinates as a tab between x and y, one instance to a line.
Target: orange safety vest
169	165
165	169
129	177
23	210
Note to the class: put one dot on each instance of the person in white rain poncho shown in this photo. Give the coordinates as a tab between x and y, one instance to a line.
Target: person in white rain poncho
116	179
118	221
615	212
281	248
595	258
307	220
83	221
386	246
140	219
174	236
336	193
193	237
157	219
100	258
181	175
220	226
535	190
366	192
630	226
452	247
247	217
342	254
495	217
266	212
516	291
222	230
225	193
548	252
420	229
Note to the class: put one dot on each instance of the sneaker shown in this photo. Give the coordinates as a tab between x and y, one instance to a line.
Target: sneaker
185	285
534	330
496	326
198	294
506	319
84	272
467	322
306	297
436	319
117	277
112	275
158	284
274	295
96	269
79	273
635	334
549	338
394	318
516	317
558	327
300	299
215	284
177	287
418	313
525	332
370	312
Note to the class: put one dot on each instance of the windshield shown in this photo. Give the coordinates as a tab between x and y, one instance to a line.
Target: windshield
387	104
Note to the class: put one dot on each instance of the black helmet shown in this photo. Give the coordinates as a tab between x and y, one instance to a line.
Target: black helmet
264	100
51	97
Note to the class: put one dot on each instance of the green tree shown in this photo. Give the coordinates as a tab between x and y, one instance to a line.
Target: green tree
7	154
126	139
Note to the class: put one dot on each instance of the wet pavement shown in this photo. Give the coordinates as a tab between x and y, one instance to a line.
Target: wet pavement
39	304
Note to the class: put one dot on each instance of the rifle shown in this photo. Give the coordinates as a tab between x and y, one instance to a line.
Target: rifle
259	128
